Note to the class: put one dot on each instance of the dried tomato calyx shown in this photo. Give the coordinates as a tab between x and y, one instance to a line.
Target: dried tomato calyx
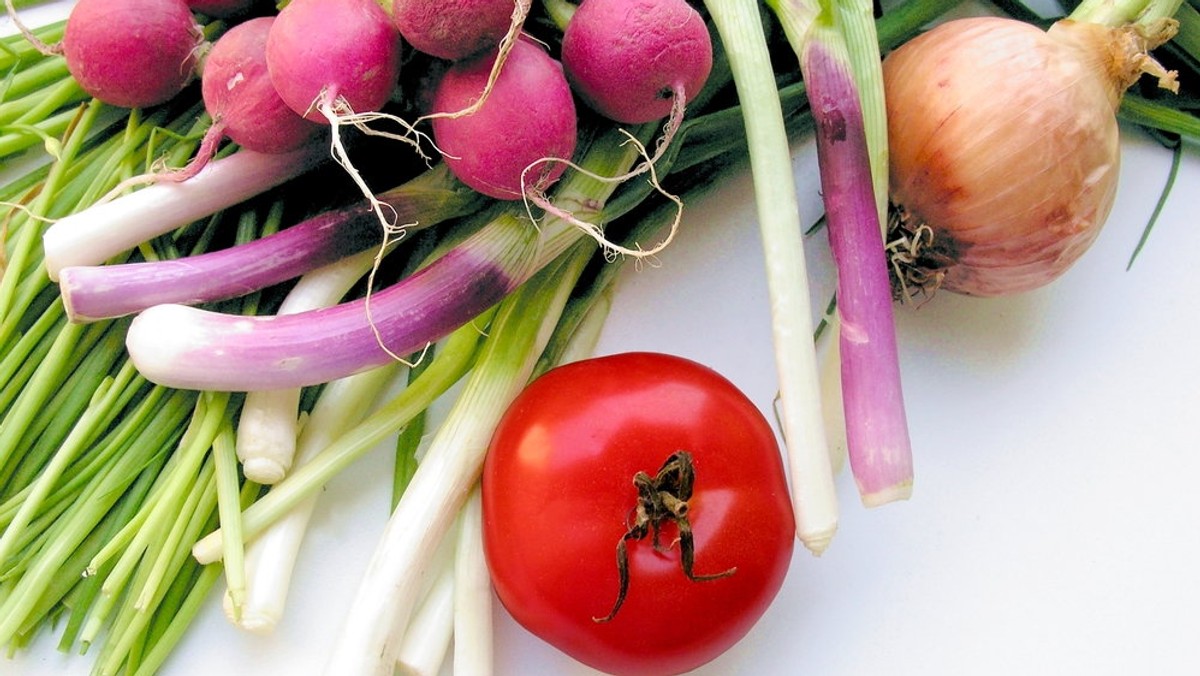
661	498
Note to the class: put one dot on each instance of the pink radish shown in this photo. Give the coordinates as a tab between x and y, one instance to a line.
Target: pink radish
330	57
240	98
454	29
131	53
242	102
336	61
528	116
633	61
222	9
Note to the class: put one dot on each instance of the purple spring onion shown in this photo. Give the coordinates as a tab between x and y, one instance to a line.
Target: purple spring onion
877	436
876	425
95	234
104	291
189	348
185	347
94	292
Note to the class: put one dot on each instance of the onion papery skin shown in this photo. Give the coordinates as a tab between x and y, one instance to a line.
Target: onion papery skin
1004	141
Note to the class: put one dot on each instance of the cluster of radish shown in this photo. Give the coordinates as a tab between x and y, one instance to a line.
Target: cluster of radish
503	104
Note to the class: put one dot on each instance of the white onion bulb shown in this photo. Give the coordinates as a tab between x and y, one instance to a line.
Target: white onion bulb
1004	149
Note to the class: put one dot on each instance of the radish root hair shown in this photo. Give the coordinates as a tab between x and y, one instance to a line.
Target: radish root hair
520	11
411	135
376	262
535	196
24	209
337	112
45	49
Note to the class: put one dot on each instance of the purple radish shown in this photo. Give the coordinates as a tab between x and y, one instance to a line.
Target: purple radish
529	115
240	98
131	53
454	29
632	60
332	57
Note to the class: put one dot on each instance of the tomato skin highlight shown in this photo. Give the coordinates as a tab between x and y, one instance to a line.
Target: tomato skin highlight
558	496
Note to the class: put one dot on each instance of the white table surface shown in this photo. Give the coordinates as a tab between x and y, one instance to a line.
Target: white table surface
1052	528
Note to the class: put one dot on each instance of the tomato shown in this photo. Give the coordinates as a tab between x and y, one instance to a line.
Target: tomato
559	497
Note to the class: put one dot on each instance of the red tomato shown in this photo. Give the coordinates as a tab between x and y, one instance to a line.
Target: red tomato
559	495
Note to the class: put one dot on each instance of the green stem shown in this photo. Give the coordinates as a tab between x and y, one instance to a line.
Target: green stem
230	511
28	240
1116	13
408	441
37	107
128	629
37	79
856	21
1147	113
16	51
40	388
180	620
560	12
97	416
452	361
1176	161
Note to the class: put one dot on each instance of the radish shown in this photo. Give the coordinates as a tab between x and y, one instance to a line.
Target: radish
222	9
455	29
336	61
240	98
242	102
635	61
131	53
331	57
528	117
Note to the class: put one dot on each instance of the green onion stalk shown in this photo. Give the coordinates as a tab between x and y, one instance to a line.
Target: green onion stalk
814	499
37	96
388	593
98	507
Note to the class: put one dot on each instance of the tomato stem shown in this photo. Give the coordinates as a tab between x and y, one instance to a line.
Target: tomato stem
661	498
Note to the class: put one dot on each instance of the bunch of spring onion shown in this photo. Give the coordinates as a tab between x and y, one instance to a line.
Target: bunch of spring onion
391	596
192	473
105	476
140	587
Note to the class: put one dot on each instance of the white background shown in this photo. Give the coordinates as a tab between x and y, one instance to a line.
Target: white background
1053	527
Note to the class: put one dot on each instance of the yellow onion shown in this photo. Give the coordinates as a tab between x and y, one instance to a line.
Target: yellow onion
1003	143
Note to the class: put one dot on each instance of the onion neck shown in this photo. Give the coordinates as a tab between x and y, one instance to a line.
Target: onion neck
1121	54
